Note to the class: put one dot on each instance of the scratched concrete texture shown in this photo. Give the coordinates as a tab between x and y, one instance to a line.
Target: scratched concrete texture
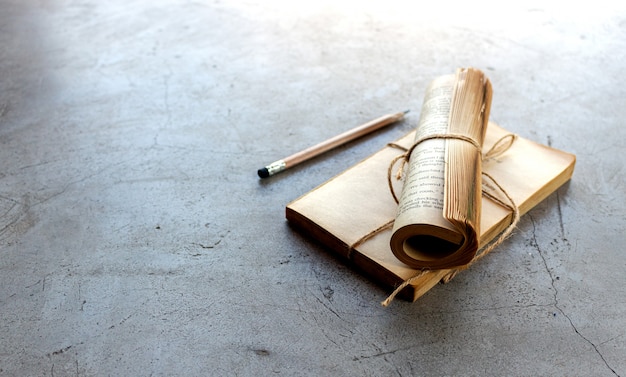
137	240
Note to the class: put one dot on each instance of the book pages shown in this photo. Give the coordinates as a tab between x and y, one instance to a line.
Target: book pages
438	217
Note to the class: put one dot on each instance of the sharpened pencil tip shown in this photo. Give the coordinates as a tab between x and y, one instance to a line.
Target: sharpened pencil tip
407	111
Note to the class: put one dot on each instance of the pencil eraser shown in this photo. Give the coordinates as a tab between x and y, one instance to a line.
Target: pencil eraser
263	173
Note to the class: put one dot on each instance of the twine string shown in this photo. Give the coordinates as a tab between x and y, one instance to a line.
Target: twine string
404	157
497	149
515	217
369	235
500	146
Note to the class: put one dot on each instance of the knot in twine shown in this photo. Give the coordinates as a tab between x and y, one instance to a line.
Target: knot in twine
498	148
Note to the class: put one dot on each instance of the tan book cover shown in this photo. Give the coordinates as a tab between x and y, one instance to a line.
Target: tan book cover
357	202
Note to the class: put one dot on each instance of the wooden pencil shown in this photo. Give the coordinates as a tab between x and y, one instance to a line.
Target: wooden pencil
335	141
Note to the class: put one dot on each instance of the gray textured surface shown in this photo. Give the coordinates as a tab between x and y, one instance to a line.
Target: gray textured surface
136	239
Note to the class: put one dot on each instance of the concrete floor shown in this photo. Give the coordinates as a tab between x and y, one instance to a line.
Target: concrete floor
137	240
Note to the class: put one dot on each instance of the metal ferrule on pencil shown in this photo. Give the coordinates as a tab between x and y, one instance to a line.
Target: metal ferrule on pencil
276	167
